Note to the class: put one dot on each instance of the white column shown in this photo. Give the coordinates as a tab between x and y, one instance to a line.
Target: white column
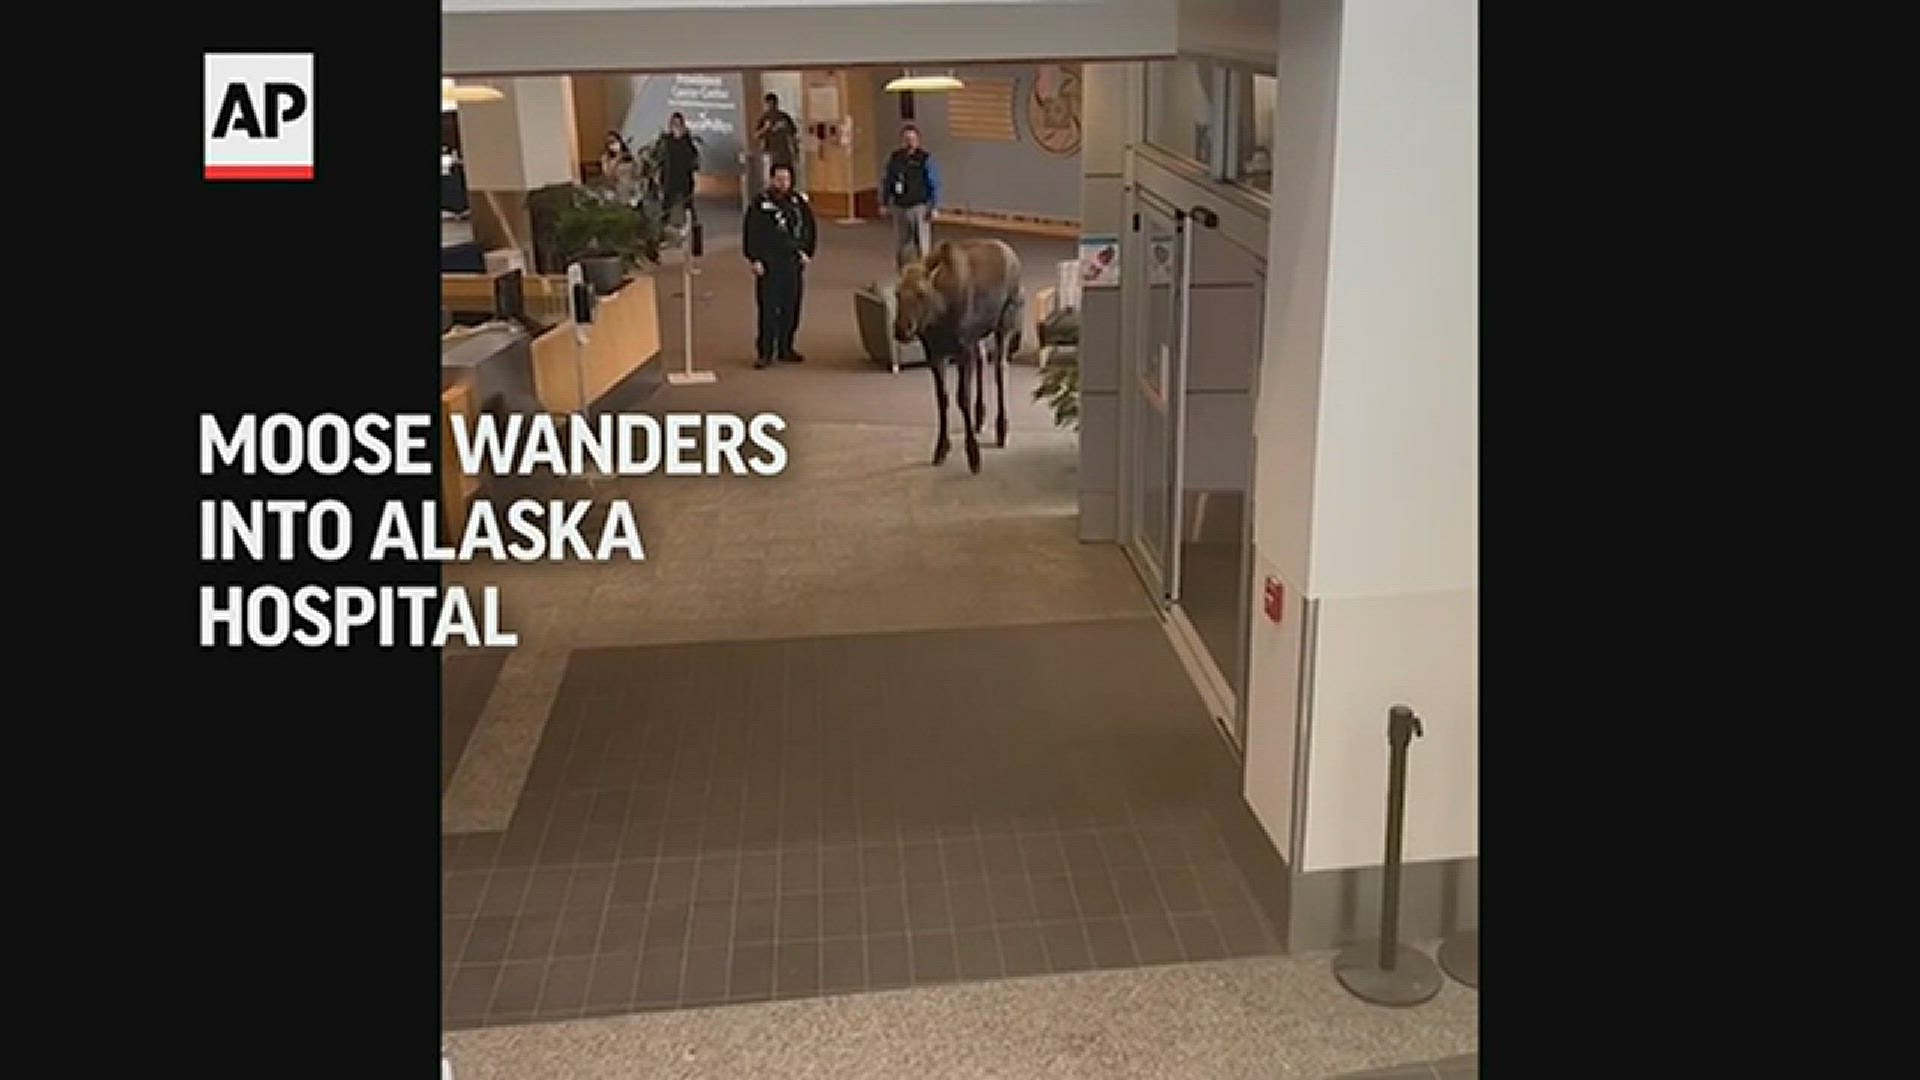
526	140
1106	125
1367	467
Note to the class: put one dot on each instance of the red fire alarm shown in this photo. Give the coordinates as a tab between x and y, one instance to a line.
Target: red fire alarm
1276	594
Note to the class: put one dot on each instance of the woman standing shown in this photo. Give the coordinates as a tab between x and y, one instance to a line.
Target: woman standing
681	160
621	171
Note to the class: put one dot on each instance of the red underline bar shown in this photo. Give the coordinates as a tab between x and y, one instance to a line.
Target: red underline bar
259	172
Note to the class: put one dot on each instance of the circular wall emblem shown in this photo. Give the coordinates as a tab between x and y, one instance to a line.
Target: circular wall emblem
1053	110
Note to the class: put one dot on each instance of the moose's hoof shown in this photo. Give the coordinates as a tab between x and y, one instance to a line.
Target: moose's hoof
1003	434
940	453
973	459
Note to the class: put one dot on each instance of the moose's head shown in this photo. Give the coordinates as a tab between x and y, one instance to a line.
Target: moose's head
918	301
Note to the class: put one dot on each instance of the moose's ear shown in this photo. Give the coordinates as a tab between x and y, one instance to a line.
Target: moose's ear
941	262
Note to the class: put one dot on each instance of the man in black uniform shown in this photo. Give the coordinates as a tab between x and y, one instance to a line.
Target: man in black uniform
778	239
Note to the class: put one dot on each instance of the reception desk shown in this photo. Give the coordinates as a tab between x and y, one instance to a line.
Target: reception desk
498	368
622	346
623	343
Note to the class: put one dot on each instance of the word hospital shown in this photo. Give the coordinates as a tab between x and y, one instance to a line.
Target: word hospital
404	610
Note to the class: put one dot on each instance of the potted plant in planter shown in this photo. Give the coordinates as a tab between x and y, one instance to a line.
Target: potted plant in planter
605	236
1060	378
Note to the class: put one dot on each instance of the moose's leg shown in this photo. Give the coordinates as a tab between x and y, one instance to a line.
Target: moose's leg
938	365
979	395
970	374
1000	386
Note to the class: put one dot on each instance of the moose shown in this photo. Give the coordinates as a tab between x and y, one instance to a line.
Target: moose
960	300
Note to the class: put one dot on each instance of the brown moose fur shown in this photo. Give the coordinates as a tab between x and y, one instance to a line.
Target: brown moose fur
961	296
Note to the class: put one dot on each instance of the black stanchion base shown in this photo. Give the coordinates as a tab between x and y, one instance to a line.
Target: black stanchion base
1414	978
1460	958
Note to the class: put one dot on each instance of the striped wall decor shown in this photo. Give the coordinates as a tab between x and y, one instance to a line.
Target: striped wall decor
982	110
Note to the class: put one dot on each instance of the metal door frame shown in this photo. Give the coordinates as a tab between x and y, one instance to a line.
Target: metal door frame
1224	698
1162	583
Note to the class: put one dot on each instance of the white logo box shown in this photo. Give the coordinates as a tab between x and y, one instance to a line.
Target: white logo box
259	116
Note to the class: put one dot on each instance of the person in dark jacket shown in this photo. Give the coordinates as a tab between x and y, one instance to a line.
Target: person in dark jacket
777	136
778	239
681	161
910	192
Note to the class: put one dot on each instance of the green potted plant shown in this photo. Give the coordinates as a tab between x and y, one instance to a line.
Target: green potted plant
605	236
1060	388
1060	378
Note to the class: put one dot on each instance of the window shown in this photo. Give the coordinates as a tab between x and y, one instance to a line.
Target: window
1253	99
1183	109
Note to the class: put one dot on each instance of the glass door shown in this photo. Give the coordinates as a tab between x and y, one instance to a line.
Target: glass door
1152	393
1217	382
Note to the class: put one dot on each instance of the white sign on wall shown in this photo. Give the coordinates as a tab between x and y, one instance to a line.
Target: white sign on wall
1100	262
1160	259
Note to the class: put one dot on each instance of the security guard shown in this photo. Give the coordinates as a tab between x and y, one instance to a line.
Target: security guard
778	239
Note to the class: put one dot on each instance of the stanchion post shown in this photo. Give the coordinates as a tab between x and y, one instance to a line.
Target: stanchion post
580	301
1460	957
1385	972
581	308
687	376
1402	727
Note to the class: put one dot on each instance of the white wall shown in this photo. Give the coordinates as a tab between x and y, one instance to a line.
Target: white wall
1244	31
1397	470
523	141
549	130
490	142
715	36
1421	650
1367	471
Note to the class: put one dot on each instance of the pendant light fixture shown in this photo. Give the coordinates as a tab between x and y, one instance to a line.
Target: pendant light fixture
452	96
924	84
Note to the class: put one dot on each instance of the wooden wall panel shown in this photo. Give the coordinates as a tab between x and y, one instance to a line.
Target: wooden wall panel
982	110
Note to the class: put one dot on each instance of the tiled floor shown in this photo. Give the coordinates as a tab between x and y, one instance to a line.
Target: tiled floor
739	821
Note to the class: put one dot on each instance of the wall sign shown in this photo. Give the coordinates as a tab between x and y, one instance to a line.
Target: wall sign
1100	262
1160	259
711	106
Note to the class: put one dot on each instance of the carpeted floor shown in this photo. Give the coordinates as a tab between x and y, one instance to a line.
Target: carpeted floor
861	533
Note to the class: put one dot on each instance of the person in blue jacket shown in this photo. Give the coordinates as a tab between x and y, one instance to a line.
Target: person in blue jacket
910	193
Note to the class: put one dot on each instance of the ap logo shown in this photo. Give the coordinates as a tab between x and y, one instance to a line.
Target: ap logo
259	116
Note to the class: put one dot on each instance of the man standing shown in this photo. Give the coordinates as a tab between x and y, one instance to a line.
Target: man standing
778	136
910	192
778	240
681	153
